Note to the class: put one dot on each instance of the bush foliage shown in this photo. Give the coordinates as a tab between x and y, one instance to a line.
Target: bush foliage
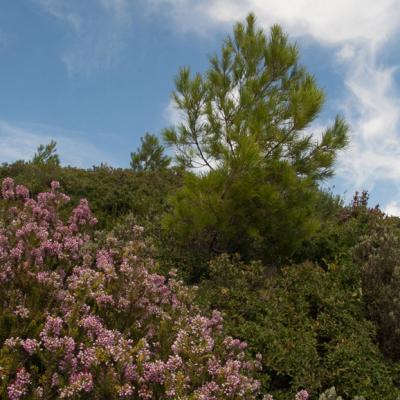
378	255
113	193
83	318
307	323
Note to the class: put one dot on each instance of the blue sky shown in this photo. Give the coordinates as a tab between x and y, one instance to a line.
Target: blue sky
95	75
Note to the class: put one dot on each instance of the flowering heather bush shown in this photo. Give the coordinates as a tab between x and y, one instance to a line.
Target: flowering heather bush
86	319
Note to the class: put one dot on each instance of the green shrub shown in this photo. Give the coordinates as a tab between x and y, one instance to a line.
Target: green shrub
307	323
112	192
379	256
342	227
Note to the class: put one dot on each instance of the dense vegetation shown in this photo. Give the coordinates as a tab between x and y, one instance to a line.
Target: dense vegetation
116	296
244	124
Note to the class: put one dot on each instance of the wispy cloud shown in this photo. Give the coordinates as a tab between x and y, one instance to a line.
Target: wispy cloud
330	22
62	11
393	208
172	115
97	29
119	9
373	108
20	141
357	32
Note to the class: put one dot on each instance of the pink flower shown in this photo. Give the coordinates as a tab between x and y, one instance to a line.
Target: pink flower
125	391
22	192
88	357
21	312
19	387
302	395
53	326
7	189
55	185
12	342
78	382
106	319
30	346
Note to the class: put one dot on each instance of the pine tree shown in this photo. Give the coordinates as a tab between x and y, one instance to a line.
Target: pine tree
150	156
46	154
245	126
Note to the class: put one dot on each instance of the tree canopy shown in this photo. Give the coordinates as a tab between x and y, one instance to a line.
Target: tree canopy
150	156
247	127
46	154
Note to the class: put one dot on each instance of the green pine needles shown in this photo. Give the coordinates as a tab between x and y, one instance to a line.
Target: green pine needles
246	129
150	156
46	154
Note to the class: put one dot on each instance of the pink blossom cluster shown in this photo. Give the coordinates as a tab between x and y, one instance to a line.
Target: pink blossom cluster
302	395
92	318
19	387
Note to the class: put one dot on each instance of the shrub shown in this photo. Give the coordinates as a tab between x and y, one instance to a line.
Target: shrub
307	323
82	317
113	193
341	229
379	256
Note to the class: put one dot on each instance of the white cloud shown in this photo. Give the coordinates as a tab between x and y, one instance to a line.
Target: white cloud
327	21
97	28
393	209
373	109
357	32
172	115
346	53
20	141
61	11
